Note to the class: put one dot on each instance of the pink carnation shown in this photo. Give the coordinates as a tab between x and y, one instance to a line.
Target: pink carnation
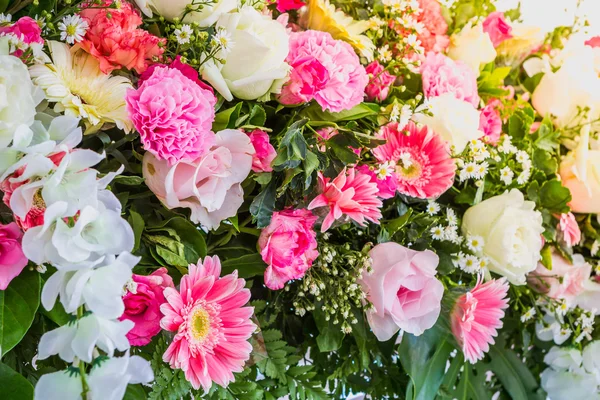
387	186
497	27
142	305
434	36
288	246
424	167
211	325
441	74
404	290
26	29
12	259
477	316
323	69
114	39
173	116
490	124
569	229
351	194
286	5
187	70
265	152
564	281
380	82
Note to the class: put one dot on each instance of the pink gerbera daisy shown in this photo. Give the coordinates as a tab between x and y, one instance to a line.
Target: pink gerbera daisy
212	326
424	167
477	315
350	193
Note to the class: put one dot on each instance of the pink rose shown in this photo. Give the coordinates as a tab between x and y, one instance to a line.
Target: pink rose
490	124
142	306
286	5
497	27
211	186
26	29
564	281
387	187
289	246
265	152
380	82
187	70
323	69
569	229
114	39
12	259
441	74
173	115
404	290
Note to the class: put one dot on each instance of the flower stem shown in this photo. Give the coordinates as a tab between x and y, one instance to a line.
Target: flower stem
82	373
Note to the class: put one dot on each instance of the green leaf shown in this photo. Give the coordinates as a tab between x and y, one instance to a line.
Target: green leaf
171	258
544	161
14	385
314	112
258	116
227	118
18	305
330	336
3	5
135	392
128	180
263	205
293	147
137	224
57	314
516	378
247	266
555	197
395	225
192	238
424	359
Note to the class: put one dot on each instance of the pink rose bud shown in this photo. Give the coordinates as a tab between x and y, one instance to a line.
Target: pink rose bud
12	259
497	27
265	152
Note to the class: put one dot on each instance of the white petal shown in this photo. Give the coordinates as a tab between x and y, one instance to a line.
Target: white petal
58	386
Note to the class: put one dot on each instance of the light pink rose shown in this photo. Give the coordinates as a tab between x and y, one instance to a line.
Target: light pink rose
490	124
211	185
497	27
380	82
404	290
173	115
569	229
564	281
26	29
387	187
265	152
142	306
12	259
441	74
289	246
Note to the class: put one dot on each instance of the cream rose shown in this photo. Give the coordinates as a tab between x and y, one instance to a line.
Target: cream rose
171	9
456	121
256	65
511	230
525	39
473	46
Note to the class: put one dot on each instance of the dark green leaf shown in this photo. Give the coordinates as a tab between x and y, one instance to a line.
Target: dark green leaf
248	266
263	205
227	118
14	385
128	180
137	224
191	237
314	112
135	392
516	378
395	225
258	116
554	196
544	161
330	336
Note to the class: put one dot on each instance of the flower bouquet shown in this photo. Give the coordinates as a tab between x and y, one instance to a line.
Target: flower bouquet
303	199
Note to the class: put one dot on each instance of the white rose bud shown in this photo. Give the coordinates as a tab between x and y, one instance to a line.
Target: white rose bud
473	46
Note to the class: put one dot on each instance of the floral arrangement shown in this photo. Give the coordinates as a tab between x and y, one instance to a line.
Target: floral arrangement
250	199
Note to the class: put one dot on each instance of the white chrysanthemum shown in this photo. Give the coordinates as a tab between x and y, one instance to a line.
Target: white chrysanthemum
75	83
72	29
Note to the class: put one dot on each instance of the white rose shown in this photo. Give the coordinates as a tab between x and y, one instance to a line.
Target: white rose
18	98
171	9
255	65
456	121
563	93
473	46
511	229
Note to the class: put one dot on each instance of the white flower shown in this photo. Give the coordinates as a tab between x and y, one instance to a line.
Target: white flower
481	170
451	217
562	308
522	156
551	330
512	232
99	288
18	98
5	18
475	243
527	315
524	177
456	121
183	34
205	13
469	171
107	380
91	235
595	248
469	263
451	234
385	54
223	40
72	29
437	232
473	46
256	76
433	208
78	339
506	175
385	170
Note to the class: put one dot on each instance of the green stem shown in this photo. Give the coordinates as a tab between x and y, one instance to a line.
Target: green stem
82	373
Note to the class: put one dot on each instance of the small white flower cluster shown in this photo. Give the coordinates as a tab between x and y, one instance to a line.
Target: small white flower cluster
448	233
478	168
586	322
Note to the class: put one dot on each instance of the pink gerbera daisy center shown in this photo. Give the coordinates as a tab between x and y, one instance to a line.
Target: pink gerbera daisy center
413	167
202	327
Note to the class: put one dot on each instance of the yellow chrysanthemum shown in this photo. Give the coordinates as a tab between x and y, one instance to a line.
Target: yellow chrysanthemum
75	83
320	15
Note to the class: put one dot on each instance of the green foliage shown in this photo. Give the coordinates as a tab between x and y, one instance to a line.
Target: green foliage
14	385
248	266
168	384
18	305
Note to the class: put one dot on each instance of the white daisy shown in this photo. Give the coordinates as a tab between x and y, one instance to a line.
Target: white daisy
481	170
524	177
506	175
451	217
183	34
527	315
433	208
5	18
384	170
475	243
437	232
72	29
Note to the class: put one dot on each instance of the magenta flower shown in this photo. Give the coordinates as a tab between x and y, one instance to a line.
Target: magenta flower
497	27
211	325
264	154
12	259
424	167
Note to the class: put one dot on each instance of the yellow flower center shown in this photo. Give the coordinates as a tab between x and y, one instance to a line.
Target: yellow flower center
71	30
200	323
